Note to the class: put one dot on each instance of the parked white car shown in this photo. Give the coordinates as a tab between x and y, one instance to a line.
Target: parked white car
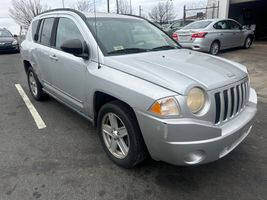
213	35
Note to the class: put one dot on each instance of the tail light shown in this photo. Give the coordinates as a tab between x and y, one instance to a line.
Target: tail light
199	35
175	36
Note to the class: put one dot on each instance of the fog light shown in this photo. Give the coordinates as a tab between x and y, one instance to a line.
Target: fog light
195	157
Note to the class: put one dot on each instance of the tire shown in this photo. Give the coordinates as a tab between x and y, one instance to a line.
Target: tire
35	85
124	146
214	48
248	42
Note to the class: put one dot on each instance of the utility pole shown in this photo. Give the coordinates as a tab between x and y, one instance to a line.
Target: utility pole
117	4
213	10
63	3
140	10
108	5
184	17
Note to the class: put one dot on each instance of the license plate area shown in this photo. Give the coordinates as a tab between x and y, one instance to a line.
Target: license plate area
184	37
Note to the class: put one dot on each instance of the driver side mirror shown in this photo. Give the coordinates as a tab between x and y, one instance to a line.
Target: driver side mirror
77	48
15	36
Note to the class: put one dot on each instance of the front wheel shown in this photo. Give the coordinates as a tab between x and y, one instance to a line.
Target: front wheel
248	42
120	135
215	48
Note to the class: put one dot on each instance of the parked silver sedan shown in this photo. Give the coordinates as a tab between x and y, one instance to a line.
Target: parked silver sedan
214	35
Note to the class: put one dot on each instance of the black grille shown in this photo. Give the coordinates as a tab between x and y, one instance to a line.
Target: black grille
230	102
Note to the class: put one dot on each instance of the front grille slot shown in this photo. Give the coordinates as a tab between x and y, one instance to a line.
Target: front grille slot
230	102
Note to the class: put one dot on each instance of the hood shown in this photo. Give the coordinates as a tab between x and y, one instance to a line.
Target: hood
6	39
179	70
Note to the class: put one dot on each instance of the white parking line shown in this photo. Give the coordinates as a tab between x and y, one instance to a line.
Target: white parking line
37	118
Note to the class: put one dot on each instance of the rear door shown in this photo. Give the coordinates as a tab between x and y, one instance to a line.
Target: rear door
236	32
43	48
224	34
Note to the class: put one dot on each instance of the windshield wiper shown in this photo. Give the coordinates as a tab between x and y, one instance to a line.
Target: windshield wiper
165	47
128	50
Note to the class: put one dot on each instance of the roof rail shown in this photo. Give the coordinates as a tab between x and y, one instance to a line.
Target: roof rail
131	15
65	9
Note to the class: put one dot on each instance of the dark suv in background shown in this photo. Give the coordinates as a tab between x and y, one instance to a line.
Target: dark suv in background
8	42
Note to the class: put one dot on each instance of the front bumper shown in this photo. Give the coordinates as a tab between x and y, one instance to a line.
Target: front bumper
9	48
189	141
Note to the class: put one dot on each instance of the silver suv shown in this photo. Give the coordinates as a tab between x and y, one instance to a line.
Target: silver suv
145	94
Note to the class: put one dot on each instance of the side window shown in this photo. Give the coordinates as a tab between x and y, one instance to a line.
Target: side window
67	30
222	25
46	31
234	25
34	27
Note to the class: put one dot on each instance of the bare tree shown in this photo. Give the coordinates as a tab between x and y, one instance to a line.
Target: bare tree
163	12
85	5
124	7
23	11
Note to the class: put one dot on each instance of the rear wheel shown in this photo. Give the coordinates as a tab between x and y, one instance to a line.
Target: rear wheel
120	135
215	48
248	42
35	86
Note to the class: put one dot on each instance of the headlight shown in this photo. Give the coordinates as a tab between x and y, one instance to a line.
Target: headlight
165	107
196	100
14	42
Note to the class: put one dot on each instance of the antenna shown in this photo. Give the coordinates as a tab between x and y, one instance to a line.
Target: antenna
97	49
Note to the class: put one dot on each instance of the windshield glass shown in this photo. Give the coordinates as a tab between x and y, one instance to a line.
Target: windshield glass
125	35
198	25
5	33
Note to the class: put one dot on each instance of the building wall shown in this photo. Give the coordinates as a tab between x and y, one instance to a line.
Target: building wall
223	9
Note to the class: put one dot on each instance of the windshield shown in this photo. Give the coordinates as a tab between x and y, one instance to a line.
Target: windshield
198	25
5	33
124	36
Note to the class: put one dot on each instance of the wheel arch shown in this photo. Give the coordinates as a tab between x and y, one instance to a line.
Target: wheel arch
101	98
216	40
27	65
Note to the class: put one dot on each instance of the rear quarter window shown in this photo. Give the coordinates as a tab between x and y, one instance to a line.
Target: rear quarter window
34	28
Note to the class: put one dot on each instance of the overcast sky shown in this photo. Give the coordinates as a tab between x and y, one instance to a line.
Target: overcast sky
6	21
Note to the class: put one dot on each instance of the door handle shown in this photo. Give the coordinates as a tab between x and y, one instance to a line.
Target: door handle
53	57
221	34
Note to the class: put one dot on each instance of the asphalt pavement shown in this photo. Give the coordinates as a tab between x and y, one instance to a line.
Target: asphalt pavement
65	160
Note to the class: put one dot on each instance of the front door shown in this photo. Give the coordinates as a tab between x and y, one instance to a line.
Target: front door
69	71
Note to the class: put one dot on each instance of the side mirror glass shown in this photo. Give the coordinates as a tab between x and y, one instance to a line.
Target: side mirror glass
76	47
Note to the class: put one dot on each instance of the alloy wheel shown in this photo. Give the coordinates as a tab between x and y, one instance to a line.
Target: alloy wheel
115	135
33	84
215	48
